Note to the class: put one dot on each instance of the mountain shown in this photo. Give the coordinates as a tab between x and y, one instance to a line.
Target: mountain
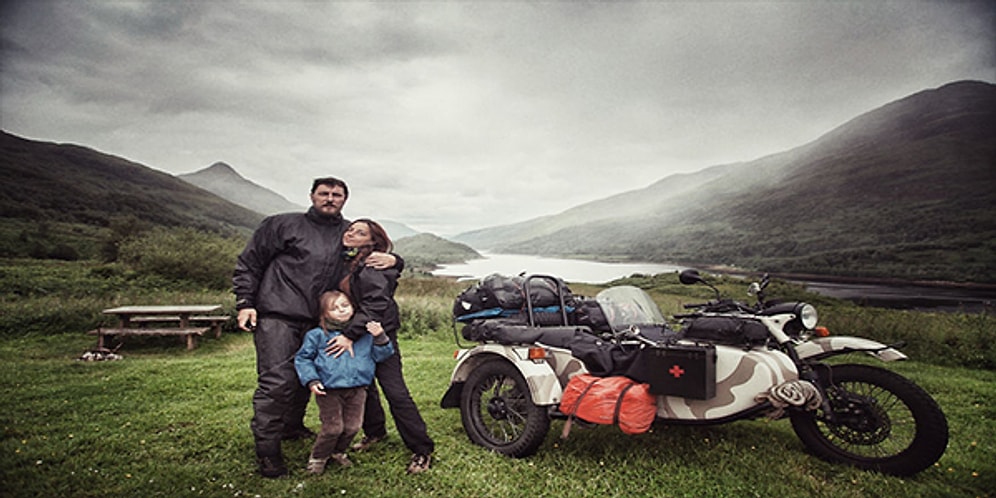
906	190
397	230
65	183
225	182
425	251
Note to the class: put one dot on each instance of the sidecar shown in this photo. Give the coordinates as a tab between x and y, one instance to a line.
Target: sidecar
509	385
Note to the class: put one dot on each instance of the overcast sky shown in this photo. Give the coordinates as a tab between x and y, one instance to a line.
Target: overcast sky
452	116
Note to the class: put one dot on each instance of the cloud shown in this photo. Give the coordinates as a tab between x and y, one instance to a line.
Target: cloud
452	116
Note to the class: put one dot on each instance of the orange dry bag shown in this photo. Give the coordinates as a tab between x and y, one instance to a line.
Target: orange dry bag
609	400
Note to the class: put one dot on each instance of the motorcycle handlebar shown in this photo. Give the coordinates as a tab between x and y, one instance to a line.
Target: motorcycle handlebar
723	306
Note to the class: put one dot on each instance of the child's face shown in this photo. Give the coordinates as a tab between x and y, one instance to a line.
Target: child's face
341	310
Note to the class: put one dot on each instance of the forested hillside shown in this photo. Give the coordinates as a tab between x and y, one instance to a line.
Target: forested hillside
424	251
904	191
61	200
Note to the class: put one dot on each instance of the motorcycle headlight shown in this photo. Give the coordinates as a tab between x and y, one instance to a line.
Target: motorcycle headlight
807	315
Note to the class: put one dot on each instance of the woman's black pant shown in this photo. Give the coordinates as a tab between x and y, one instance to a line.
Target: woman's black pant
407	418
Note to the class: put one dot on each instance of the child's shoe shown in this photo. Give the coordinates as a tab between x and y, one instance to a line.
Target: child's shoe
316	465
367	442
341	459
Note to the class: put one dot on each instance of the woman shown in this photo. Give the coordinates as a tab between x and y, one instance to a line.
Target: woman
373	292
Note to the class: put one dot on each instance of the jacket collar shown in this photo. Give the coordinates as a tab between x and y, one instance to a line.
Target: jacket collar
314	216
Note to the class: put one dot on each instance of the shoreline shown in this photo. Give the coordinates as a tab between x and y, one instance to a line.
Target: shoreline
891	282
982	287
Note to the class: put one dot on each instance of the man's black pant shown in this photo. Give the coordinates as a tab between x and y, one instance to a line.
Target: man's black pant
406	416
280	400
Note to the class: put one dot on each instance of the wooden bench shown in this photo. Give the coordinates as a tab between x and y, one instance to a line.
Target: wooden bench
215	321
189	333
180	314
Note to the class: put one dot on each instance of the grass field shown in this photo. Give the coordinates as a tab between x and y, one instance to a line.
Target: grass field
167	422
164	421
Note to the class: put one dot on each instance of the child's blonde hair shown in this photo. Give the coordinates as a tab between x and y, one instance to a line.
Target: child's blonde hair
325	303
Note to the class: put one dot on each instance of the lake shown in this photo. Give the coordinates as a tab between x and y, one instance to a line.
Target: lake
595	272
571	270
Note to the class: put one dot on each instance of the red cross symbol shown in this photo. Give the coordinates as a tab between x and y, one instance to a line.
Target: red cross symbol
676	371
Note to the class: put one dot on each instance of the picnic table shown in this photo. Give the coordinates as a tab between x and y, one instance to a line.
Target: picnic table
179	318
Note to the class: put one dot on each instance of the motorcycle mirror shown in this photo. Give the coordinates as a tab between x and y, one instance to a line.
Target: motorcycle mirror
690	276
753	289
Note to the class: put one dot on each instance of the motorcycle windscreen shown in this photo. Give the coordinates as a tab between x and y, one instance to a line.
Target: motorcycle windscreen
625	305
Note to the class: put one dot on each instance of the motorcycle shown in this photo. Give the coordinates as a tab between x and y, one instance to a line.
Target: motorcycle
736	362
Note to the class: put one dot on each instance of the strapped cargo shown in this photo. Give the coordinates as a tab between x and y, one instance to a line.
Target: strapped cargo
535	298
613	400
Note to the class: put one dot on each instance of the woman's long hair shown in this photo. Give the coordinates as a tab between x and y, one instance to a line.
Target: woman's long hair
379	241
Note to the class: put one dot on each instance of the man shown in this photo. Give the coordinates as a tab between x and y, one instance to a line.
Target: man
289	261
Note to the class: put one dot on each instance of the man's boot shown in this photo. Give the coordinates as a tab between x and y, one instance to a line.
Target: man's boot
270	460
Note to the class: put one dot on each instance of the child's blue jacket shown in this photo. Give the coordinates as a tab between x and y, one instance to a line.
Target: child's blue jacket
312	364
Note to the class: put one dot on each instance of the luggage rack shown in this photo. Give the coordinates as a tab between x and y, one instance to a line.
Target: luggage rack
527	324
530	311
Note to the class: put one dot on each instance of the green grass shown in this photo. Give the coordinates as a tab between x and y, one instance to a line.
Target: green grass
164	421
167	422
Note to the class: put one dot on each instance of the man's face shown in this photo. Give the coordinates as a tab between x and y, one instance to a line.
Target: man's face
328	201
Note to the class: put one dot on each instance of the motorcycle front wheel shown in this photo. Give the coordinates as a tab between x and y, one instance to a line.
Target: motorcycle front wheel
498	412
881	421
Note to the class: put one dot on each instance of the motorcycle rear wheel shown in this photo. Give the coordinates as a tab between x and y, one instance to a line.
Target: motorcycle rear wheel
498	412
884	422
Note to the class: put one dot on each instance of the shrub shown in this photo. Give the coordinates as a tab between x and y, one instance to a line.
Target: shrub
64	252
182	253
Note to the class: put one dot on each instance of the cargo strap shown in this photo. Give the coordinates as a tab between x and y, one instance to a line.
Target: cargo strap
574	409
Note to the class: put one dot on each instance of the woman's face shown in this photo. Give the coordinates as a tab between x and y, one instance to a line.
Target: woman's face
357	235
340	310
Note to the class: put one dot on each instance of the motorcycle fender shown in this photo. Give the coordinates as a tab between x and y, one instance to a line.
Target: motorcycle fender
824	347
541	377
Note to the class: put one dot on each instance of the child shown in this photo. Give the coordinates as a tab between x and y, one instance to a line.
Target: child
339	383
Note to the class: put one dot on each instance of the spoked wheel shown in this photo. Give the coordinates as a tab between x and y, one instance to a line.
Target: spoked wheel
881	421
498	412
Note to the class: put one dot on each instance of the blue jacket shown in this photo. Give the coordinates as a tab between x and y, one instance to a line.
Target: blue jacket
346	371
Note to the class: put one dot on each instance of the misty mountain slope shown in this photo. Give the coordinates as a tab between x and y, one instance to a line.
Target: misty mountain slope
224	181
74	184
658	198
893	192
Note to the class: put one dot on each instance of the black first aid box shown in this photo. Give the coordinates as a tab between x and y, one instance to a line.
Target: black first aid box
687	371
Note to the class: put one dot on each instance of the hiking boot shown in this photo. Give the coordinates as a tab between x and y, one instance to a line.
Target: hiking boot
341	459
298	433
419	463
367	442
272	466
316	465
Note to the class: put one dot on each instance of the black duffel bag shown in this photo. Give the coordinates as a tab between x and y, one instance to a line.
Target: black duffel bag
725	330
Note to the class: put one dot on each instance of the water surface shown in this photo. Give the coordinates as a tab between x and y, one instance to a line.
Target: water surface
596	272
571	270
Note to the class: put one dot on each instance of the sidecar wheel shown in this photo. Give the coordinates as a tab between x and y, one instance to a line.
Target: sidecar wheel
884	422
498	412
